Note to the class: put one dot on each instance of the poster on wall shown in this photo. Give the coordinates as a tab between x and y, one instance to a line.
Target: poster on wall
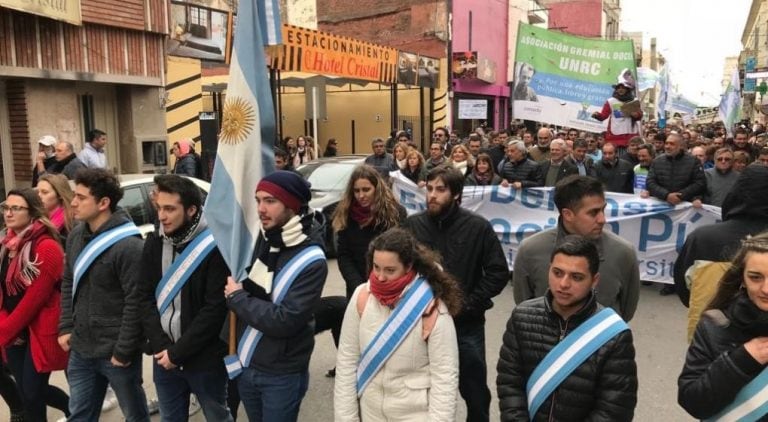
562	79
199	30
473	109
407	68
429	72
464	65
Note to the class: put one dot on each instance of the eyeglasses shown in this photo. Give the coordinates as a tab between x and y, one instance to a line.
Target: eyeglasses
13	209
725	159
435	149
438	135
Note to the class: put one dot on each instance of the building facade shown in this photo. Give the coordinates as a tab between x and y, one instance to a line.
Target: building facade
64	78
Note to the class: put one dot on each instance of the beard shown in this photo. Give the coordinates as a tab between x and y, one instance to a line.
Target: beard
437	210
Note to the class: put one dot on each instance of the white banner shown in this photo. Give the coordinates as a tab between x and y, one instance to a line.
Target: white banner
655	229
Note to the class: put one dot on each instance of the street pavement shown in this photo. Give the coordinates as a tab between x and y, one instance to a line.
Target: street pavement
658	328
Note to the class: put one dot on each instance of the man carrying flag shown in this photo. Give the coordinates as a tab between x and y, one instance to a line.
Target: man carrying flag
183	304
564	356
275	304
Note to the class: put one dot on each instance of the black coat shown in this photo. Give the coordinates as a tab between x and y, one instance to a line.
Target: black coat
617	177
203	309
352	251
603	388
682	173
471	252
525	171
717	366
566	169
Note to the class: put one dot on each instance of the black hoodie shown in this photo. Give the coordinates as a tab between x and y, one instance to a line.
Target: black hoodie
744	212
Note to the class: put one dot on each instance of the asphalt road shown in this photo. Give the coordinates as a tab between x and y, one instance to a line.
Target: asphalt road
658	327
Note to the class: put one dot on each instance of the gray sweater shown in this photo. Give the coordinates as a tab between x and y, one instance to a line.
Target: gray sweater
619	286
718	185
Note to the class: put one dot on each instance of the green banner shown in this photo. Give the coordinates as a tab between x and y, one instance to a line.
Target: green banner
562	78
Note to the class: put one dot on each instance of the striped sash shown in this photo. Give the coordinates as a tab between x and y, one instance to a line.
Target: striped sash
283	282
567	355
182	268
750	404
98	246
402	320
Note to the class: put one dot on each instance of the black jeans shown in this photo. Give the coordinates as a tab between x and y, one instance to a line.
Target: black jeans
473	373
33	385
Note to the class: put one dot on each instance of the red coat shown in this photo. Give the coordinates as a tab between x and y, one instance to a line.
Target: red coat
40	309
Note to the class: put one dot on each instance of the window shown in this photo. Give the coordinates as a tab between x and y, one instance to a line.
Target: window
134	204
86	110
198	16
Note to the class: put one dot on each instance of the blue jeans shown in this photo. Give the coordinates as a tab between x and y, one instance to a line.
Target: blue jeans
174	386
270	397
88	379
473	384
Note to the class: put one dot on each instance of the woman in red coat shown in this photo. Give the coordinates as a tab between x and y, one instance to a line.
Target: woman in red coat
31	266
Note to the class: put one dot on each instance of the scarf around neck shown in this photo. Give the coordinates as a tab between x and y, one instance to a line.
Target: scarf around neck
360	214
388	293
57	218
22	270
461	166
483	178
292	233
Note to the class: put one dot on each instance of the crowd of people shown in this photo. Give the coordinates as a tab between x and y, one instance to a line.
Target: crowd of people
82	291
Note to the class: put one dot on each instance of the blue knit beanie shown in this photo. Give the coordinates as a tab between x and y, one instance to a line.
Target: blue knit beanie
288	187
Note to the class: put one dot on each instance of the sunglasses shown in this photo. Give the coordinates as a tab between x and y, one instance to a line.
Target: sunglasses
725	159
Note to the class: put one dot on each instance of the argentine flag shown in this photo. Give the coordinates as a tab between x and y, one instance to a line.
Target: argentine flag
247	134
730	104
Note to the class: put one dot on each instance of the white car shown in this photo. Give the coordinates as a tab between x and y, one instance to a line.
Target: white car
136	198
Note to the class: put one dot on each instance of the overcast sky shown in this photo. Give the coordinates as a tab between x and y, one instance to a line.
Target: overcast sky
694	35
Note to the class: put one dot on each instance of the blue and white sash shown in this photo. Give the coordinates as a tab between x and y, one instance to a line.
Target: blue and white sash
182	268
750	404
283	282
567	355
389	337
98	246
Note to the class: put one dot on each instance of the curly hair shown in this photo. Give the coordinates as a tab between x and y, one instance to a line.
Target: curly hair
467	154
384	209
424	261
730	284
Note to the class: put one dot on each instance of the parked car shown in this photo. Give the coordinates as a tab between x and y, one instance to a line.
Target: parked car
329	177
136	198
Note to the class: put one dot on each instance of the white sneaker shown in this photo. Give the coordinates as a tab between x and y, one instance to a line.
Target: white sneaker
153	405
62	419
194	406
110	401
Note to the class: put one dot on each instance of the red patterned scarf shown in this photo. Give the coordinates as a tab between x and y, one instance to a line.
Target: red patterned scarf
389	292
22	270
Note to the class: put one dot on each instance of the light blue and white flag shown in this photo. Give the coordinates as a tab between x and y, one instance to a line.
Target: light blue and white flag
247	134
646	78
730	104
661	102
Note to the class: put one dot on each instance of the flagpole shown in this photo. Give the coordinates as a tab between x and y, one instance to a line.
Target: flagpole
232	332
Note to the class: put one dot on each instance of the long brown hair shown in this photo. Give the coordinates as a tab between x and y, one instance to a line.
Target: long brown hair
36	209
384	209
424	261
60	185
731	282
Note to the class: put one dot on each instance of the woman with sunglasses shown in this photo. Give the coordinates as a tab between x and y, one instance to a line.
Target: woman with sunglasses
31	267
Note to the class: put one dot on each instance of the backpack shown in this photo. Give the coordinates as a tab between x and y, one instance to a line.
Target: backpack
428	318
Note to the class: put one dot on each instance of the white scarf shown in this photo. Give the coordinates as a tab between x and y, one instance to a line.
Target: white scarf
290	234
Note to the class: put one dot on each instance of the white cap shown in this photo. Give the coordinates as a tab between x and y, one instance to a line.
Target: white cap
47	140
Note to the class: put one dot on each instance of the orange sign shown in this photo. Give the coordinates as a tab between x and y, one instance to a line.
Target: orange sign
307	50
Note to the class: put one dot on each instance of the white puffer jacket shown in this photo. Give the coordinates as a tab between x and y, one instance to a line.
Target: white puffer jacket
418	383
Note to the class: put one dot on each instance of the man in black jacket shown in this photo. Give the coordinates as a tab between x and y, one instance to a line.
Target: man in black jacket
183	317
472	253
279	304
616	173
100	322
519	170
675	177
604	386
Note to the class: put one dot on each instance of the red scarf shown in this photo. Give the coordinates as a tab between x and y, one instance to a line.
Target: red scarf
388	293
57	218
359	213
22	270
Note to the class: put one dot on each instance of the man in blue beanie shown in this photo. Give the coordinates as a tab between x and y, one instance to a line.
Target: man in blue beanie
274	305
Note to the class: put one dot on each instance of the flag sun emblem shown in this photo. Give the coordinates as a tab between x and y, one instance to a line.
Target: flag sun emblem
238	123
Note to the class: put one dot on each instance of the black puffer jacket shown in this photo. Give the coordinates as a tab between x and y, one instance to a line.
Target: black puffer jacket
717	365
525	171
682	173
603	388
